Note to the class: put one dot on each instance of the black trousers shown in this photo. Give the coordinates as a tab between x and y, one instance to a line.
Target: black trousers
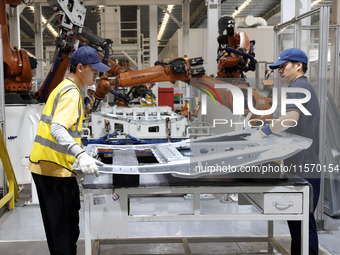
295	226
59	204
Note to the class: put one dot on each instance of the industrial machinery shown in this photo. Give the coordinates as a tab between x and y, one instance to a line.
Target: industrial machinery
130	121
221	154
235	46
70	22
140	125
235	54
17	66
181	69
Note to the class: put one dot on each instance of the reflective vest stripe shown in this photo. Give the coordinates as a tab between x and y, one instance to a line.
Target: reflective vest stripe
56	99
90	98
48	119
54	146
77	125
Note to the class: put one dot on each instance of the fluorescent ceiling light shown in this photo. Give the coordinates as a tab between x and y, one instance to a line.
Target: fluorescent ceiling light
49	26
239	9
164	22
30	54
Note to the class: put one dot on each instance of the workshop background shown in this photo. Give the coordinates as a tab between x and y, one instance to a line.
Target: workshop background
37	39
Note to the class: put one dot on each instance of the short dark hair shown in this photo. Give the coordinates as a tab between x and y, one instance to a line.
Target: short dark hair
73	67
304	66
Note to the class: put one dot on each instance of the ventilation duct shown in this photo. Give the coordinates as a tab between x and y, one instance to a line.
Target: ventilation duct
250	21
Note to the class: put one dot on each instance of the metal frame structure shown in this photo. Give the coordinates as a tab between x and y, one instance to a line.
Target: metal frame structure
158	122
324	16
220	154
334	70
331	191
107	211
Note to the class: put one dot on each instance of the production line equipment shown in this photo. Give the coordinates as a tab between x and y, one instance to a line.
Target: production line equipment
235	56
229	153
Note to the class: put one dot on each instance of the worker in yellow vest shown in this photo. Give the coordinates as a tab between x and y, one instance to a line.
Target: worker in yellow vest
150	98
89	99
55	148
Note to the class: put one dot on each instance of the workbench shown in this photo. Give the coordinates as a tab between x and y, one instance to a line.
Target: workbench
108	212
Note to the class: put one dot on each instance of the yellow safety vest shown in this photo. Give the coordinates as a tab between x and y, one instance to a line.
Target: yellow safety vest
91	103
45	148
91	100
150	98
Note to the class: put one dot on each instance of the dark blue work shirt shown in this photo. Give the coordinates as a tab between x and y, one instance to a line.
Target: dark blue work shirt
87	101
308	126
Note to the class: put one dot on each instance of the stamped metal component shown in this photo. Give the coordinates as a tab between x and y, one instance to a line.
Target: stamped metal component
219	154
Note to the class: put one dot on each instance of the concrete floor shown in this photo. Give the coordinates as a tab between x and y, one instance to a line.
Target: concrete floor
22	232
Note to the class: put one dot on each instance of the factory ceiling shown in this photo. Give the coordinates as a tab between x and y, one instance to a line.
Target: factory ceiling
268	9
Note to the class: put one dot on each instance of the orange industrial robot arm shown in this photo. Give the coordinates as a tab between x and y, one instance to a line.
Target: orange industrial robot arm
235	51
17	68
177	69
180	69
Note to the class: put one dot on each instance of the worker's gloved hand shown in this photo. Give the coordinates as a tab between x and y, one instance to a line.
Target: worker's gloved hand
144	101
261	133
88	109
88	165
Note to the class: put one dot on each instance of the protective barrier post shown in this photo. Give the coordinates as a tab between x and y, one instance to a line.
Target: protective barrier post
12	182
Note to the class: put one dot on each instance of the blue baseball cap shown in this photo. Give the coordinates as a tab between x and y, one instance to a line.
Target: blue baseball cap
87	55
292	54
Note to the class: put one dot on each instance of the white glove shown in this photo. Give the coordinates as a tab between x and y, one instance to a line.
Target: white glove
256	136
88	165
146	101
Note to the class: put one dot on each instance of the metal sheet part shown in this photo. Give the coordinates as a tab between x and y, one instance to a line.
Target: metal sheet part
220	154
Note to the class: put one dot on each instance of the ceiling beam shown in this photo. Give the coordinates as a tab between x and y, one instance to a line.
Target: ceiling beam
24	36
30	24
179	24
272	12
32	40
129	58
199	15
132	2
124	2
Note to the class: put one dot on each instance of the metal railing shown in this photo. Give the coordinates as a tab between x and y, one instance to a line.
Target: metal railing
13	188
